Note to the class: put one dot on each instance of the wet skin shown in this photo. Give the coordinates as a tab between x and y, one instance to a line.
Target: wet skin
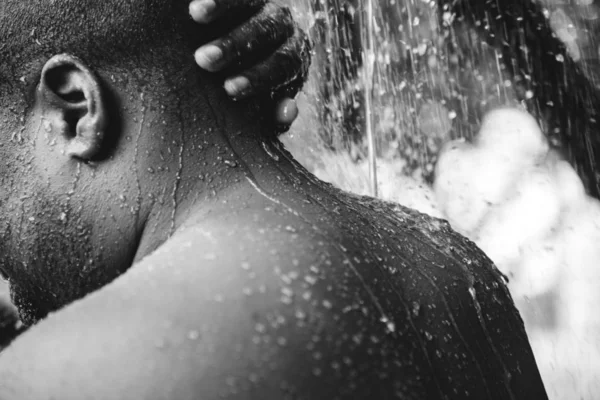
219	266
272	280
280	284
279	74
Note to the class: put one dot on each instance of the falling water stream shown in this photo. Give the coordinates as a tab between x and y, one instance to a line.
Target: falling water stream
369	61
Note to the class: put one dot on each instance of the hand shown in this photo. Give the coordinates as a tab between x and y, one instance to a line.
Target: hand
269	30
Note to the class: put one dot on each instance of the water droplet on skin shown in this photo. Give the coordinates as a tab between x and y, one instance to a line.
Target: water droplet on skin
230	163
300	314
260	328
286	279
286	300
416	307
390	325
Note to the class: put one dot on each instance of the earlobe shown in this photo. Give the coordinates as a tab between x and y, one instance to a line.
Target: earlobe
71	97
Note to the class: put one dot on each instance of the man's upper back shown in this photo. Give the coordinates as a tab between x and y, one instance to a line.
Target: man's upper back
323	295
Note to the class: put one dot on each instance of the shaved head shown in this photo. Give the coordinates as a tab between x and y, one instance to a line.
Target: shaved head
110	35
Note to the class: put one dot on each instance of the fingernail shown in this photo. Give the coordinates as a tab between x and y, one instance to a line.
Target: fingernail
237	87
201	10
286	112
208	57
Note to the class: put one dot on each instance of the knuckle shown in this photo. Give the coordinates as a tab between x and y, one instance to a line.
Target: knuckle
278	17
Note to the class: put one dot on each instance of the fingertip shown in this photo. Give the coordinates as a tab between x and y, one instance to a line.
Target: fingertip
208	57
238	87
202	11
286	111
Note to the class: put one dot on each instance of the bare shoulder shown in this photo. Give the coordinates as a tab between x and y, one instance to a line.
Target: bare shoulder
268	304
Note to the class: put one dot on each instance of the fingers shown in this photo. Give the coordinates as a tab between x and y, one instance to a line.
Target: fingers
206	11
258	36
268	40
281	73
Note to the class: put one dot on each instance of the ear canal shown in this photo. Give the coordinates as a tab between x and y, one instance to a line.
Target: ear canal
74	94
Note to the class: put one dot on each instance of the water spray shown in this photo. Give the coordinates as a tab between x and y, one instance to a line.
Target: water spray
368	71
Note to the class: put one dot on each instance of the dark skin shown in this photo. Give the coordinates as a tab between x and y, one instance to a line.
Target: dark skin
247	278
284	38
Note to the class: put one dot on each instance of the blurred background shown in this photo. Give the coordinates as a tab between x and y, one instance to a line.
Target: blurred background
478	134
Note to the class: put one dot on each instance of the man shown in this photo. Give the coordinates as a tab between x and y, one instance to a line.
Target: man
212	264
275	39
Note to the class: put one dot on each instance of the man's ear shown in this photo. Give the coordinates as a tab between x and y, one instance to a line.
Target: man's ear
71	97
